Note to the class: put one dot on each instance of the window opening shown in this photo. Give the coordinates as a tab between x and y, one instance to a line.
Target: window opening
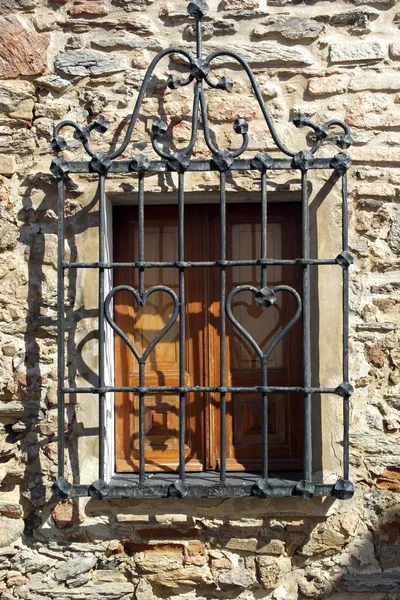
243	422
265	294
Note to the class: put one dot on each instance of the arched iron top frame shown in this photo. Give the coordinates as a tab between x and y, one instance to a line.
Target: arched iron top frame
199	73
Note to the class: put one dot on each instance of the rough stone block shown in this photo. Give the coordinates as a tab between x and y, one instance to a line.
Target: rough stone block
66	514
376	582
97	8
354	17
133	5
7	164
53	82
47	21
362	51
11	530
8	238
115	21
238	577
371	120
29	561
290	28
189	575
221	111
126	42
390	478
395	51
271	569
371	80
159	559
13	511
376	154
327	86
375	355
23	51
74	567
266	53
101	591
13	6
240	4
23	110
81	63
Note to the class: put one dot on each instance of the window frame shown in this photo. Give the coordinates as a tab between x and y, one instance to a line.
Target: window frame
285	454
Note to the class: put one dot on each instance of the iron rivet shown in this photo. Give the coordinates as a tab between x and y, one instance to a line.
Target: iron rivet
98	489
304	489
262	162
223	160
61	488
341	163
101	124
343	489
303	160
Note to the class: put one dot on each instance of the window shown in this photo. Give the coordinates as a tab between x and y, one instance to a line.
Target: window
202	285
222	382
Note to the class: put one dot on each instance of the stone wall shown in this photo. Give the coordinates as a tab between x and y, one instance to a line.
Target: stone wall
77	59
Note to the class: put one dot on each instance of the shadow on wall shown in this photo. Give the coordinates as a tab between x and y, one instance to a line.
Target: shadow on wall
32	424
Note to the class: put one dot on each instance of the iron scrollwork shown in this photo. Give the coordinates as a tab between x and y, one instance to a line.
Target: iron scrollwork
199	73
265	297
141	300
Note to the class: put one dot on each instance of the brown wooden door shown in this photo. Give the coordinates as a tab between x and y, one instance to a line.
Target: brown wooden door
202	339
244	431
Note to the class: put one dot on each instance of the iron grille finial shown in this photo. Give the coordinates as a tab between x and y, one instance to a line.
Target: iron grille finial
197	9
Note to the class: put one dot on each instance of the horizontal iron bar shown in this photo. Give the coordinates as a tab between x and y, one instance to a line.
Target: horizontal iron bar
150	389
189	264
161	166
198	491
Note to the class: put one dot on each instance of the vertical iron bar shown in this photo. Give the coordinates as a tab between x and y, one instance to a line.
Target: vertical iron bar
60	328
102	231
263	228
264	379
182	332
141	292
264	364
222	328
306	329
199	36
141	424
346	408
141	230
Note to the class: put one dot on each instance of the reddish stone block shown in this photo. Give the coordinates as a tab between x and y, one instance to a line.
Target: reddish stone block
97	8
375	355
326	86
16	581
23	51
66	514
8	509
390	479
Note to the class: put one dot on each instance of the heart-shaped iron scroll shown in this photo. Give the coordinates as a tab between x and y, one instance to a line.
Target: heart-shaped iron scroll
141	300
265	297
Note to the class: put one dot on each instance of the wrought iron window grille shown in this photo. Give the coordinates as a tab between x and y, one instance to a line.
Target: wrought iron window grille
264	485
